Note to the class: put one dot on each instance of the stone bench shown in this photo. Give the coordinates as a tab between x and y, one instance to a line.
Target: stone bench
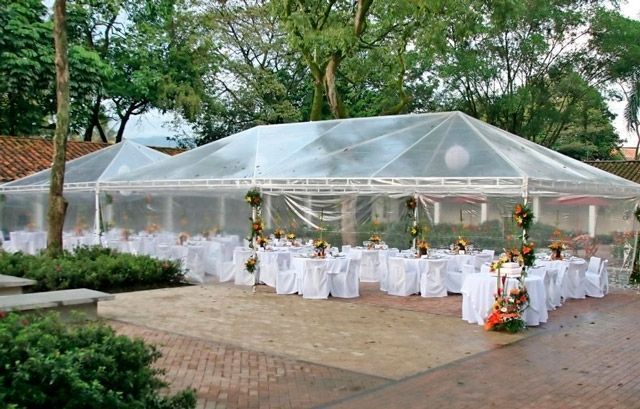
80	300
13	285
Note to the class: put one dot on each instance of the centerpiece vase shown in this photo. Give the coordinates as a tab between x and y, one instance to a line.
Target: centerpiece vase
422	251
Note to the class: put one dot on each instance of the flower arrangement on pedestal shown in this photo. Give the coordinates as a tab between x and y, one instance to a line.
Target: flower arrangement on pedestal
508	307
523	216
320	247
422	247
251	264
414	231
254	198
257	226
506	314
411	203
278	233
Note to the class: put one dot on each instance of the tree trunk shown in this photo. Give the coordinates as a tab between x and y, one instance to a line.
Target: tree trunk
123	123
57	203
318	97
333	99
94	122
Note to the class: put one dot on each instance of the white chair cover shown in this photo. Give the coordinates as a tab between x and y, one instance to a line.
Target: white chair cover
490	252
270	263
241	275
402	278
345	284
369	266
432	280
315	279
455	278
481	259
287	282
597	284
594	265
575	280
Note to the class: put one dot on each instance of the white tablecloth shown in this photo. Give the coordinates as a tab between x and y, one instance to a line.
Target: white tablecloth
478	295
316	285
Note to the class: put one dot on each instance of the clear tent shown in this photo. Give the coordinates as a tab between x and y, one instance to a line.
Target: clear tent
24	201
350	178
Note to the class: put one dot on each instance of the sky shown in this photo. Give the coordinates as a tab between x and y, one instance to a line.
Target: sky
154	127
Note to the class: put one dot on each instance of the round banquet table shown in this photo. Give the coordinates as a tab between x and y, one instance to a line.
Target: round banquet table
478	291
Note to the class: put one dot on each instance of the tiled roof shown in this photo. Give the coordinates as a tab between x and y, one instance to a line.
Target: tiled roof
628	169
22	156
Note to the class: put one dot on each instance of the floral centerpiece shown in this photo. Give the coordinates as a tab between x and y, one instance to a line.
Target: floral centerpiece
254	198
523	216
262	241
320	247
183	237
152	228
375	239
291	236
278	233
461	244
557	247
506	314
422	247
251	264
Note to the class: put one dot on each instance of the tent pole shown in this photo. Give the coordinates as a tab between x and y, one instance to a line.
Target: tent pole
96	217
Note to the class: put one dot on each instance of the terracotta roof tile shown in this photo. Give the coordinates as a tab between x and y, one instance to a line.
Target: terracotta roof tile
628	169
23	156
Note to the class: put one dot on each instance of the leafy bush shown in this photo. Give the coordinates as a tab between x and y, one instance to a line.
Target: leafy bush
48	365
92	267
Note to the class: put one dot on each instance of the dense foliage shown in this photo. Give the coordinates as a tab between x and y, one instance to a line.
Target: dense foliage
542	70
92	267
46	364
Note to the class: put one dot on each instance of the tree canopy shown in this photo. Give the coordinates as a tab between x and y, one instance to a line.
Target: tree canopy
543	70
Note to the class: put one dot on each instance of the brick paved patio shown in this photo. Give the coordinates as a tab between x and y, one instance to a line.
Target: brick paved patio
585	356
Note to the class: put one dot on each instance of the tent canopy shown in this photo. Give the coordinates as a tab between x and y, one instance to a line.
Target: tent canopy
447	152
86	171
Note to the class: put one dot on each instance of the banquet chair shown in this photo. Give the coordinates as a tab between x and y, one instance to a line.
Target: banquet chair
287	281
401	281
455	278
597	284
594	265
575	279
370	267
480	259
549	277
345	284
315	280
346	249
240	273
490	252
432	280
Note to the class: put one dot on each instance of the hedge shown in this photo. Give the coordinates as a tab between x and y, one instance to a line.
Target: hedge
95	267
46	364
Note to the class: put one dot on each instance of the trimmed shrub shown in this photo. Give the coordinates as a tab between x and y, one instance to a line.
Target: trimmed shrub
46	364
92	267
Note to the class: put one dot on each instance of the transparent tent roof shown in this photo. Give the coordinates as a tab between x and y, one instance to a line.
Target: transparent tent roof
86	171
449	152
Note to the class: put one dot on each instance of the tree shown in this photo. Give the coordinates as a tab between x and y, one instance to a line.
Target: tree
615	37
516	65
57	202
26	67
327	34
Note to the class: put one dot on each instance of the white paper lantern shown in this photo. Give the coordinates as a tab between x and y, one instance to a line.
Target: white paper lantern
456	158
